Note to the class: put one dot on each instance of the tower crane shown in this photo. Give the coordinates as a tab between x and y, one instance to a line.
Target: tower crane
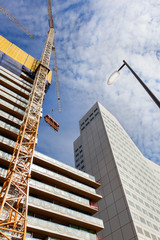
15	190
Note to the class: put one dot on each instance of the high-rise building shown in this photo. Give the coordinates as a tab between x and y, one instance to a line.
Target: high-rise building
130	183
62	199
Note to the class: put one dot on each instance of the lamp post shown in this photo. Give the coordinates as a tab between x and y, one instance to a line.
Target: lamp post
115	75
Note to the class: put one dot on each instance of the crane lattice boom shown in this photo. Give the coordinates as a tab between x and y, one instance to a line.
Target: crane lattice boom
8	15
50	16
51	25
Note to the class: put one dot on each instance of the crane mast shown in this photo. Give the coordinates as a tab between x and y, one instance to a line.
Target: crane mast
15	190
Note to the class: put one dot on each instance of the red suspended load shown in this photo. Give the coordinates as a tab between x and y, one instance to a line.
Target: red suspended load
51	122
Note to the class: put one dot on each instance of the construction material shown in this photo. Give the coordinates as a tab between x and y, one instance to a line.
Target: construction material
51	122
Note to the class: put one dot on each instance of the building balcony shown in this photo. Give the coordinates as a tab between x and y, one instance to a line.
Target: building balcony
54	194
64	183
58	231
11	109
9	119
21	89
57	180
12	100
7	145
13	94
66	170
8	131
64	214
4	73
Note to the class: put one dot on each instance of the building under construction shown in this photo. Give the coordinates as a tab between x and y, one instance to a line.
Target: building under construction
61	199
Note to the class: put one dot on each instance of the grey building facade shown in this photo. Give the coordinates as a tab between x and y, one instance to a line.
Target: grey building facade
130	183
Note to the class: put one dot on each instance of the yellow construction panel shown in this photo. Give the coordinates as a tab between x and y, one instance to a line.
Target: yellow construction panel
49	77
31	63
17	54
20	56
4	44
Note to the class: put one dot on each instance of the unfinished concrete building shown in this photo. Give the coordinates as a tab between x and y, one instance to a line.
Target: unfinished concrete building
62	199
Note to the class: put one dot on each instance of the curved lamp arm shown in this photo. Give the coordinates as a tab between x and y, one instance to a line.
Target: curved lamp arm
115	75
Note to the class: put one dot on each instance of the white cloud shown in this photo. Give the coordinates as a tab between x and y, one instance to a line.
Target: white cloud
94	45
92	39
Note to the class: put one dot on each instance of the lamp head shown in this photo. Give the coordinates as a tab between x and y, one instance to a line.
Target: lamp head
113	78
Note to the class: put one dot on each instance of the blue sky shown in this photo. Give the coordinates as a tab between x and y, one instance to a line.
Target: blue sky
92	39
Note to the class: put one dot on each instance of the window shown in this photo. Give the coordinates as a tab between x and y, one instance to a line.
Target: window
140	200
137	190
139	230
149	198
149	223
86	120
143	194
153	237
157	219
134	196
138	207
153	208
155	227
135	216
142	220
147	205
145	212
128	192
131	186
151	215
147	234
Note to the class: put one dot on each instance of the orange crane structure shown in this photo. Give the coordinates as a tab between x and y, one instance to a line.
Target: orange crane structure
15	190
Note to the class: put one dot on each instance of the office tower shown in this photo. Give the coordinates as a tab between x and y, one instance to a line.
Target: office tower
62	199
130	183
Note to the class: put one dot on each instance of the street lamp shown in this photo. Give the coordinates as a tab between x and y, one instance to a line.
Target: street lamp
115	75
